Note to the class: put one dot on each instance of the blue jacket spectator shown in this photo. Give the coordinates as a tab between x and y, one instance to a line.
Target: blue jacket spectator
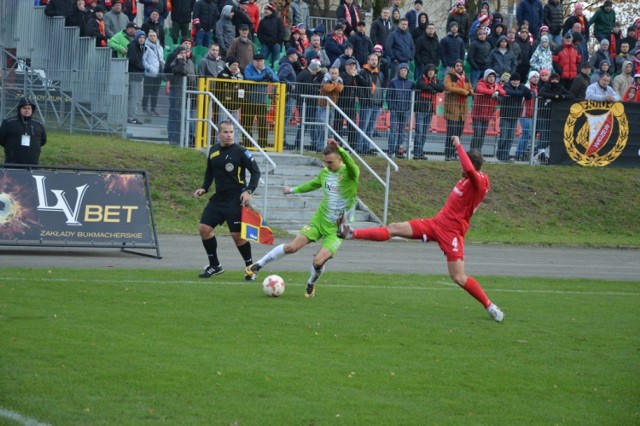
400	47
451	47
532	12
399	93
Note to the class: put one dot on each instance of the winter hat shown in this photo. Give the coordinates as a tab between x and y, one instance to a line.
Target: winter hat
637	75
378	48
453	24
99	8
579	6
488	72
514	76
460	3
544	71
338	27
544	38
291	51
554	76
533	74
232	60
139	34
544	28
607	3
271	7
351	62
637	51
418	2
484	19
403	65
604	42
314	65
131	25
428	68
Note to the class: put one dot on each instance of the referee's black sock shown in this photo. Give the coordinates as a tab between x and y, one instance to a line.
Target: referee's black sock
211	248
245	252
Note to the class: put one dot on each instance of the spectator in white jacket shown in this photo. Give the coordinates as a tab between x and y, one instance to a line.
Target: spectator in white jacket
153	61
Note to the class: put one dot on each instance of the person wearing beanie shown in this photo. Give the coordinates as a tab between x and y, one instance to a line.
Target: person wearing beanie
257	99
96	27
460	16
523	41
510	111
428	85
579	85
577	20
399	102
22	136
413	14
335	43
542	57
602	21
452	47
526	119
155	22
602	54
488	93
135	53
271	33
603	68
287	74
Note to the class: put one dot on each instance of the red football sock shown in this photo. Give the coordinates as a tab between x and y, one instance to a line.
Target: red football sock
372	234
473	288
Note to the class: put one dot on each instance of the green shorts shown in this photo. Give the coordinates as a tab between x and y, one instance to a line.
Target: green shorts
316	230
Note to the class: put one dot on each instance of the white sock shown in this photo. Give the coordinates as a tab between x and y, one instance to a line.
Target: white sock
275	254
315	274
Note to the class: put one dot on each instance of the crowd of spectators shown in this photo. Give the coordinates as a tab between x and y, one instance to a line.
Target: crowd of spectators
544	54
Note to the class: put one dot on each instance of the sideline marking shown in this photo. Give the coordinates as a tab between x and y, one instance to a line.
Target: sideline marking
441	286
19	418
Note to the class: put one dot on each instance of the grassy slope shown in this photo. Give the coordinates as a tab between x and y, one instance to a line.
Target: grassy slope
538	205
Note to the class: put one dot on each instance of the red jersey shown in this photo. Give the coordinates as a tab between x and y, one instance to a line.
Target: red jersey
465	197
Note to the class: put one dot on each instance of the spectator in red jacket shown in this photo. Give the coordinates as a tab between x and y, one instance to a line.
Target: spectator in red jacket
566	61
485	102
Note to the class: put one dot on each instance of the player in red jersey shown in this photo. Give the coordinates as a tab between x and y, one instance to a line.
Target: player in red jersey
447	228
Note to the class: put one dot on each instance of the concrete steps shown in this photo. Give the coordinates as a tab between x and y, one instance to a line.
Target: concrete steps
292	212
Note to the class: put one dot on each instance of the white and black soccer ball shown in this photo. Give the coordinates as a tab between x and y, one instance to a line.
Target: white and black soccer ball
273	286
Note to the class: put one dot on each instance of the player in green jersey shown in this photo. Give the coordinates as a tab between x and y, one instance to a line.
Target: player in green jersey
339	183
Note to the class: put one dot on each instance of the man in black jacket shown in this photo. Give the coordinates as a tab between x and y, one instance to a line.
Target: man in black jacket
381	28
227	164
205	16
22	137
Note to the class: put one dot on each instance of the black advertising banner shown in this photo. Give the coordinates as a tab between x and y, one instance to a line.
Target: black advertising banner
591	133
62	207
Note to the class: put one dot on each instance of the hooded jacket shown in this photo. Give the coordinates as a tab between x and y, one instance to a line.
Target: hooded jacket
399	93
153	58
502	62
12	132
427	87
623	81
225	30
485	101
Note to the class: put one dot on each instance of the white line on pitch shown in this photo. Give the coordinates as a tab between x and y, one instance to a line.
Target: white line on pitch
19	418
441	286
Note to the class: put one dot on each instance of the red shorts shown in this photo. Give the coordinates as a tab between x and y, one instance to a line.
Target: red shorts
451	242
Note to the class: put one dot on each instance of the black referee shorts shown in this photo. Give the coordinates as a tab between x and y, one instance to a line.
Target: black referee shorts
219	211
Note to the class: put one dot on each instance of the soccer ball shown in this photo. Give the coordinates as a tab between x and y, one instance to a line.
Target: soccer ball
273	286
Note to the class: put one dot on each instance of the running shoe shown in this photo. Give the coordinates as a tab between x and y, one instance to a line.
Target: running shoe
211	271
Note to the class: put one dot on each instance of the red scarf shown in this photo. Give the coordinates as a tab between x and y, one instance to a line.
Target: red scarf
461	83
103	43
348	17
583	22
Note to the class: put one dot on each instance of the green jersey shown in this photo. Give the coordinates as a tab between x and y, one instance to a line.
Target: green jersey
339	190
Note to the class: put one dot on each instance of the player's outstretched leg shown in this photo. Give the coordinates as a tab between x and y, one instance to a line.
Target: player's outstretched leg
275	254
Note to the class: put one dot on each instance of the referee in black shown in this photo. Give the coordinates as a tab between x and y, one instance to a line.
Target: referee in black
227	164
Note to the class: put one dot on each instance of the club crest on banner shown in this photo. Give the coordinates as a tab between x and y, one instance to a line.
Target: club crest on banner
596	133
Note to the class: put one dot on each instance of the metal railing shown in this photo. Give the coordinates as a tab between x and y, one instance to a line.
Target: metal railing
213	100
329	128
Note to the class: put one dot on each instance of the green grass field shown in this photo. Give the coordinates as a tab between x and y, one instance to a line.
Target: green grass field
114	347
